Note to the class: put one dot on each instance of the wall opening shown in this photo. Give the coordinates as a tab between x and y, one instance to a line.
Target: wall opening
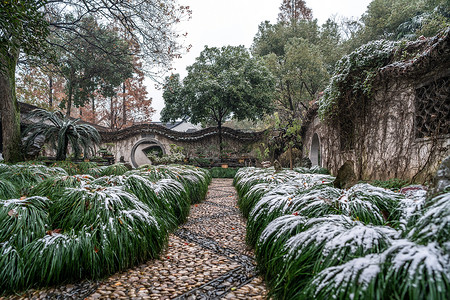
142	148
315	151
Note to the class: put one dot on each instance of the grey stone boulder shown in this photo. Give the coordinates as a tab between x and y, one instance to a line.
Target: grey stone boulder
441	181
346	177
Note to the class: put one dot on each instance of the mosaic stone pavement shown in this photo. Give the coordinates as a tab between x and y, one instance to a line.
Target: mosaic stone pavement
206	258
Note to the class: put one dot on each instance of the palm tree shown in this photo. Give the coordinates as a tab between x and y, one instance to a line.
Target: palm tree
59	131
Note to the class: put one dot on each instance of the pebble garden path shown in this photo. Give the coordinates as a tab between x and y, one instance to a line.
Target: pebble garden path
207	258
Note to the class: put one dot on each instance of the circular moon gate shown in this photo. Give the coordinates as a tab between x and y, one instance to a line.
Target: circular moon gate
141	148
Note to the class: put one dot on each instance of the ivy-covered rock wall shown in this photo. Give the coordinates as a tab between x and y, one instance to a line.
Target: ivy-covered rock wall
400	129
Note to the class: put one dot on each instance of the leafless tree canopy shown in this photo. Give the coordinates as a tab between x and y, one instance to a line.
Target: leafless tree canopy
294	10
149	23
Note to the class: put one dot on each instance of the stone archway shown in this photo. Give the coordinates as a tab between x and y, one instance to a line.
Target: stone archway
315	154
141	148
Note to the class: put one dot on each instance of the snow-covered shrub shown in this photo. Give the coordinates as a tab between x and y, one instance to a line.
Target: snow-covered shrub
413	271
54	187
54	258
246	178
370	205
405	270
12	268
302	251
7	189
290	198
355	279
195	180
357	252
115	169
23	176
23	220
270	247
357	241
251	184
91	227
434	224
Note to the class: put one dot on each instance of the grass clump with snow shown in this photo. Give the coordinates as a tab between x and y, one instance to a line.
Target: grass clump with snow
56	227
314	241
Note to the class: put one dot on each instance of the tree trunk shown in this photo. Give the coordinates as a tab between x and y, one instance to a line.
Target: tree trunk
219	127
124	106
70	93
93	110
50	92
62	152
112	114
10	112
291	165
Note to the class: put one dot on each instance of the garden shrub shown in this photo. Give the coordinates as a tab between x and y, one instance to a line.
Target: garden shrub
78	226
314	241
392	184
218	172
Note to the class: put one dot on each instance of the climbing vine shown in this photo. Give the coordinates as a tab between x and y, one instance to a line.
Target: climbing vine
387	108
353	76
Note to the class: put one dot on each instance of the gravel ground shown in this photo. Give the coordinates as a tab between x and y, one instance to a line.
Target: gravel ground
206	258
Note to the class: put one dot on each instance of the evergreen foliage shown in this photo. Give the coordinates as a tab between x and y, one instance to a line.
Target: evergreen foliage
60	132
314	241
77	226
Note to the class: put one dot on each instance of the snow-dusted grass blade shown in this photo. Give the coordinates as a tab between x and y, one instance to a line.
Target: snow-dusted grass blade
268	209
25	176
111	180
7	190
195	180
54	187
415	271
52	258
314	202
95	172
254	194
23	220
270	247
358	278
92	227
411	206
252	184
357	241
303	250
92	204
290	198
146	191
370	205
174	193
434	224
306	254
115	169
131	238
11	268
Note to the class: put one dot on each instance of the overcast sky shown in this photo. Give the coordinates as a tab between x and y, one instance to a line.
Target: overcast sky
235	22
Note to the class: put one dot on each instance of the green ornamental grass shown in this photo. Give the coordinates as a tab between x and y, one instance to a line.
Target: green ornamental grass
314	241
7	189
91	227
23	220
12	268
